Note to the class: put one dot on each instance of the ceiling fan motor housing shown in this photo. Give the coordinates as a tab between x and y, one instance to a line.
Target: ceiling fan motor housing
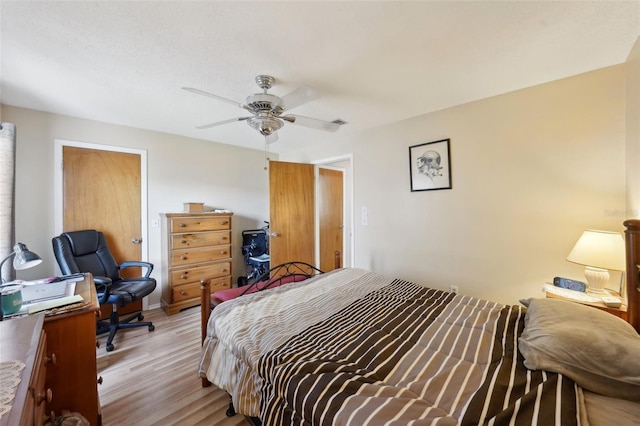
265	102
266	108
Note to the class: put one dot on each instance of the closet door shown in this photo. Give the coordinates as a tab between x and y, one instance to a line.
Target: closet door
331	220
292	212
101	190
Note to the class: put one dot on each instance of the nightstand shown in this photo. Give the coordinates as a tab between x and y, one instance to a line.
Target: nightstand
620	312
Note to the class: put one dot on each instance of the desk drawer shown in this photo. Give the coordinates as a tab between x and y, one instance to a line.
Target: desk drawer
199	255
192	291
200	239
195	224
196	273
41	395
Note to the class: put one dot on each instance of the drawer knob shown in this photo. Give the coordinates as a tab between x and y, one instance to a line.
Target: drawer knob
223	252
184	276
51	359
183	242
183	293
100	380
182	225
224	222
44	396
183	257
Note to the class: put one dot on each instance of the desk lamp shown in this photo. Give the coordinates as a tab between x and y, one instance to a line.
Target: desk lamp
24	259
599	251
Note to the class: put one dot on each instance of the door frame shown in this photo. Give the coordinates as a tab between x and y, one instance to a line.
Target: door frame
348	241
58	202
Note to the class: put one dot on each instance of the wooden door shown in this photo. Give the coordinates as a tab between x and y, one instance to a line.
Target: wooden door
292	212
101	190
331	222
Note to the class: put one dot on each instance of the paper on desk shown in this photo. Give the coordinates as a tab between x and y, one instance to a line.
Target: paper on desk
54	303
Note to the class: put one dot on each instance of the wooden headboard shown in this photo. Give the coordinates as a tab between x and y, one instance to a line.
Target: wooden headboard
632	243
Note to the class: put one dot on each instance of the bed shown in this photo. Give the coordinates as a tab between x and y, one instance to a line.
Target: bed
352	347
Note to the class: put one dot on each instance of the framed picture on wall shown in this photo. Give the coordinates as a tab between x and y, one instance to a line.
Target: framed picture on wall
430	166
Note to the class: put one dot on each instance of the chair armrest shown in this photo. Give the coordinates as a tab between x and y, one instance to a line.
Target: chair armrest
103	285
148	266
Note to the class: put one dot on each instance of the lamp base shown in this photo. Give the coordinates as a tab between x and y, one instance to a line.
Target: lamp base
597	278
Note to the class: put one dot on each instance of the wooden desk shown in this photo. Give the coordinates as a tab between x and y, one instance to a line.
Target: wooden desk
71	373
71	336
22	340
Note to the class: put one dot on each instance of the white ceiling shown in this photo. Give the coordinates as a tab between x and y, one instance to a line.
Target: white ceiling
374	62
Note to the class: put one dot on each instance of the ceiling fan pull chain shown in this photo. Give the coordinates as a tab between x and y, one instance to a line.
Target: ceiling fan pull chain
266	153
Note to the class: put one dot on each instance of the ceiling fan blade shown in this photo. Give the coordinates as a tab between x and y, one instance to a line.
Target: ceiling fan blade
299	96
220	98
314	123
220	123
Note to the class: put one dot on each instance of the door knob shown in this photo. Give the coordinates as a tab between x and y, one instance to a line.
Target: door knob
273	234
136	240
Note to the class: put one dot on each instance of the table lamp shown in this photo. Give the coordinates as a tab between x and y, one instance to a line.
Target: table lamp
599	252
24	259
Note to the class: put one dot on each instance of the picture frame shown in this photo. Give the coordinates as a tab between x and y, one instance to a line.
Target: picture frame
430	166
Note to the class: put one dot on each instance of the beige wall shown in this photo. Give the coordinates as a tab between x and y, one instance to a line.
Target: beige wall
531	170
633	131
179	170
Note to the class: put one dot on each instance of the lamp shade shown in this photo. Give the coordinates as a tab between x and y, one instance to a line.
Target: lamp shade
24	259
599	249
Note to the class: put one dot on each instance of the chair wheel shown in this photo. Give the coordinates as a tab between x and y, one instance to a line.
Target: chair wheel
110	347
151	327
230	411
140	317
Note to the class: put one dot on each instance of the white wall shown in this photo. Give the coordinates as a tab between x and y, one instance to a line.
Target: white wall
531	170
179	170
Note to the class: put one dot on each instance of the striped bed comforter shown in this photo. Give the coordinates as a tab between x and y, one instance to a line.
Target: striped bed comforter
353	347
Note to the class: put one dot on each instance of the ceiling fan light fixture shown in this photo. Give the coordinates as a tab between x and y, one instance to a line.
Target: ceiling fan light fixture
265	124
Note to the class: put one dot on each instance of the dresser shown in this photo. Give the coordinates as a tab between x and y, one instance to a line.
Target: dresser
194	246
60	353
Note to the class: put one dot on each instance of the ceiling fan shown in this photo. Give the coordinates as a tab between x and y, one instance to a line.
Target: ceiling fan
267	109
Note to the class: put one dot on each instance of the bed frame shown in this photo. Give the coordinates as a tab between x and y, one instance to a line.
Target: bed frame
632	243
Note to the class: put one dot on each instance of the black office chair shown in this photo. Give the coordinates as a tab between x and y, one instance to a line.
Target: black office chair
87	251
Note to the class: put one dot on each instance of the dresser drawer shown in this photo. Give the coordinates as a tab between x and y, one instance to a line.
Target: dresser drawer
200	239
199	255
196	273
191	291
194	224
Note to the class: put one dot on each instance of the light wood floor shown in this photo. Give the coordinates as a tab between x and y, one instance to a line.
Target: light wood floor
150	378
